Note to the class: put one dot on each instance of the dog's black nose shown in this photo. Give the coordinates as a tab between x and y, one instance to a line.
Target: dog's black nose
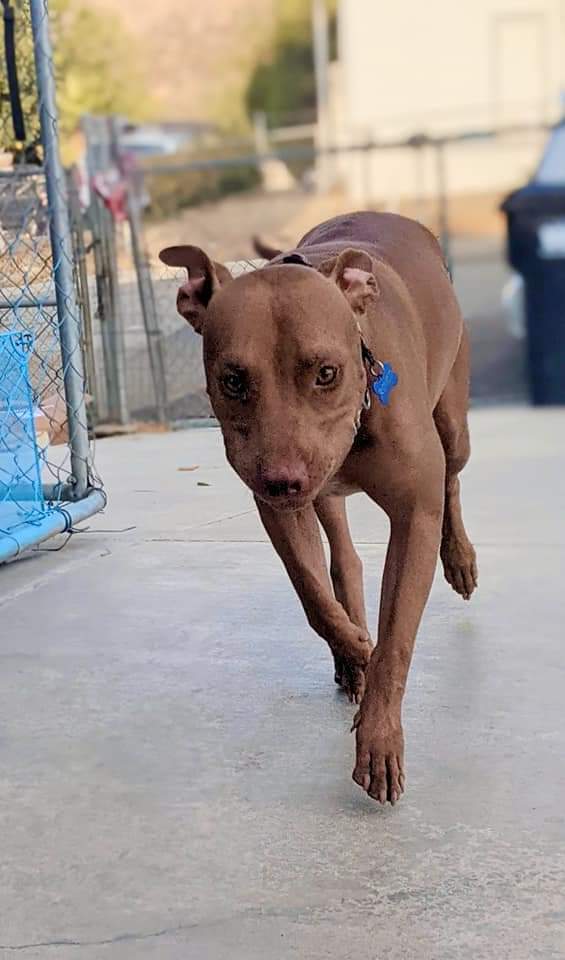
283	488
285	481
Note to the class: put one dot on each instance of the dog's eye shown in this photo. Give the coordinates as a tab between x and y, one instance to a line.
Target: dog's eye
326	376
234	384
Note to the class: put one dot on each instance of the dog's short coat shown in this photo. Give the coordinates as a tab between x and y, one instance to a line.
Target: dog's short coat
287	381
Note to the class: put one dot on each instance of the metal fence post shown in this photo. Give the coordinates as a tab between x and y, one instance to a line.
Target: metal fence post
113	331
62	250
443	217
143	273
107	285
148	308
77	227
320	44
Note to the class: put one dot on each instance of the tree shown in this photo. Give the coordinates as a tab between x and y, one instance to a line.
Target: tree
283	82
97	70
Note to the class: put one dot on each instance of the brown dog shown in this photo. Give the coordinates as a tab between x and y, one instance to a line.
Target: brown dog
293	352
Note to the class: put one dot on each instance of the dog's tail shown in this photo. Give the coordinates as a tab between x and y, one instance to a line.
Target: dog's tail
264	250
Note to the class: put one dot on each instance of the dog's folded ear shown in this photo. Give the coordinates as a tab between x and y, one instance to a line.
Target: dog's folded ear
205	277
353	272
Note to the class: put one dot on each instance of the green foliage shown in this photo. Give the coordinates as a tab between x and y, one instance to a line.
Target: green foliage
284	87
171	192
97	69
283	82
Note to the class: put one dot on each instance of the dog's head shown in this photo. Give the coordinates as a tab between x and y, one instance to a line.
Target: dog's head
283	363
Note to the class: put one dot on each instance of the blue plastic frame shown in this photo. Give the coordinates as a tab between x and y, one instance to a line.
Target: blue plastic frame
21	494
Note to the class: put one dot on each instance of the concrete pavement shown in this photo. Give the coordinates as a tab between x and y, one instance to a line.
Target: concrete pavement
175	760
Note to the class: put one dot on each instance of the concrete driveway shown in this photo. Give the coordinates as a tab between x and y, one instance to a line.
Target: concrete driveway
175	760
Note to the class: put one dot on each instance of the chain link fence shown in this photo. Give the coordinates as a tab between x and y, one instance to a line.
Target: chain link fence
282	206
47	477
145	362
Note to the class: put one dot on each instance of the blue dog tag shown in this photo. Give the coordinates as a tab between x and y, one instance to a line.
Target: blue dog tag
384	384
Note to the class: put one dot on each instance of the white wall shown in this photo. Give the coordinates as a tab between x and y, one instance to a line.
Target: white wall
446	66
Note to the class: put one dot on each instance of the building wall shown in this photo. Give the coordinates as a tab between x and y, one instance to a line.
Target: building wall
445	67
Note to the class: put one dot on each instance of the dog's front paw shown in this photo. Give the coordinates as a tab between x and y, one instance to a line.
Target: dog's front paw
379	767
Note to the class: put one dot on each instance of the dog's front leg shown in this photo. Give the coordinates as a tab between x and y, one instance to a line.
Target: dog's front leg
297	540
415	510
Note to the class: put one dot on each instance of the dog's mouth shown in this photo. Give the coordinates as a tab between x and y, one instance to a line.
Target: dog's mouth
285	504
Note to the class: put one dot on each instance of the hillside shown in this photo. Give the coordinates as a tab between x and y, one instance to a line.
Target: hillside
197	55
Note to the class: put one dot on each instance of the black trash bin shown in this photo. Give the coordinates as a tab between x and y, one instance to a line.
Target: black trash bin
536	249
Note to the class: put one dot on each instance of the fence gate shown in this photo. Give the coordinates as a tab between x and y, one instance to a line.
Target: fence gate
47	479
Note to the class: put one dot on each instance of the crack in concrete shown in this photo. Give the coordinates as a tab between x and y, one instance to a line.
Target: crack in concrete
232	516
74	563
119	938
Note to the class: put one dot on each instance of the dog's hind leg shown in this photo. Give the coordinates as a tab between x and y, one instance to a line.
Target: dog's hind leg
346	568
450	415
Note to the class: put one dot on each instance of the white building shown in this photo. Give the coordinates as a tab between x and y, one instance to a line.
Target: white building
444	67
